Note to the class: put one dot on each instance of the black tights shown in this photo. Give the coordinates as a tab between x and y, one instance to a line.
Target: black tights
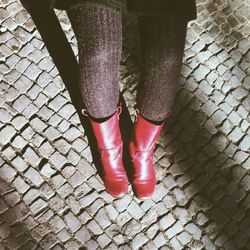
99	35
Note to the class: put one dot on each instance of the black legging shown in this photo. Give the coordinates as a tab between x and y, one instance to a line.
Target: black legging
99	37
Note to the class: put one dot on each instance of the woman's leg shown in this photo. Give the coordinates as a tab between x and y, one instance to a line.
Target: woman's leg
162	46
98	30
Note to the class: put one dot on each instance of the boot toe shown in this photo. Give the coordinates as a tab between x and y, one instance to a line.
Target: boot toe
144	189
116	188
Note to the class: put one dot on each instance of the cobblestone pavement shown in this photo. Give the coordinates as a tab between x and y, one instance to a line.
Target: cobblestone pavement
51	194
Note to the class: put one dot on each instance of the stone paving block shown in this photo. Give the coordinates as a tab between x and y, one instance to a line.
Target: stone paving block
122	204
40	100
58	180
218	117
31	195
240	156
64	126
9	153
88	199
217	97
184	238
209	107
149	217
94	207
118	239
234	118
4	230
67	111
20	185
73	157
94	227
79	144
58	160
123	218
245	182
64	235
159	240
167	221
131	229
193	230
46	190
31	156
21	66
150	245
246	164
201	72
46	64
7	172
5	115
6	134
38	206
47	170
103	240
83	235
12	198
96	184
180	196
48	241
138	241
76	179
46	149
201	218
235	135
175	244
30	110
54	120
208	243
56	203
91	244
34	176
51	90
19	142
57	223
73	204
45	113
175	229
32	72
169	182
245	143
65	190
111	212
135	210
72	222
12	59
72	133
169	201
52	133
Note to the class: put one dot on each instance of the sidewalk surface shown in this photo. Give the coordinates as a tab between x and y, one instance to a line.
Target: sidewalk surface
51	196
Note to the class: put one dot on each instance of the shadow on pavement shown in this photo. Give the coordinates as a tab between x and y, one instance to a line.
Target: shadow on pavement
63	56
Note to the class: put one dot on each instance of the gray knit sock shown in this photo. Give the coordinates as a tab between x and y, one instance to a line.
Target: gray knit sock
162	46
99	36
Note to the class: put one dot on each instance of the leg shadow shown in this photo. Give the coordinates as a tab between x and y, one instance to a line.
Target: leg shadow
65	60
214	183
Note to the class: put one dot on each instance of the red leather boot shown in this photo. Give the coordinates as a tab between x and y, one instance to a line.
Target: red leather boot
110	147
141	150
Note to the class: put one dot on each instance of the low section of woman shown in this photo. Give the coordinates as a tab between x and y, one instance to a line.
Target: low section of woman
162	26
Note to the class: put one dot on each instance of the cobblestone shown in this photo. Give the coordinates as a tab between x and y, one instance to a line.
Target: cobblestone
50	188
72	222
